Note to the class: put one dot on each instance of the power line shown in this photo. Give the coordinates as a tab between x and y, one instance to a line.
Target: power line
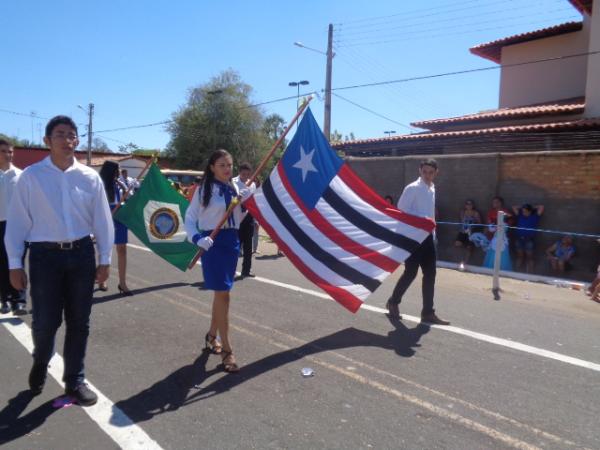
426	35
461	72
353	38
35	116
416	14
372	112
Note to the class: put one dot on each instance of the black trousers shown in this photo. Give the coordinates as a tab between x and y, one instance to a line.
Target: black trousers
246	232
425	257
62	284
7	292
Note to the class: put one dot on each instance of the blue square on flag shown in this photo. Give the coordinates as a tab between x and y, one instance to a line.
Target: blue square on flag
309	162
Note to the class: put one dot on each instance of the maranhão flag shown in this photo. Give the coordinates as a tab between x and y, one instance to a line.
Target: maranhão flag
155	215
334	228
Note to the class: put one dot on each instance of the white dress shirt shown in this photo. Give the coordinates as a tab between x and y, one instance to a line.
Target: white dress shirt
52	205
242	187
418	199
204	218
8	180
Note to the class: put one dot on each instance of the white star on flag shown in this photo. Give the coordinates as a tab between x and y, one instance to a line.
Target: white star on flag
305	163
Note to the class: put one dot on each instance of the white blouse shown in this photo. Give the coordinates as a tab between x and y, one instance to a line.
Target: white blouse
203	218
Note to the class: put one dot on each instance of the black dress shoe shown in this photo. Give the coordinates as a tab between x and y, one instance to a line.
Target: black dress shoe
4	308
37	378
19	309
83	394
393	310
248	275
433	319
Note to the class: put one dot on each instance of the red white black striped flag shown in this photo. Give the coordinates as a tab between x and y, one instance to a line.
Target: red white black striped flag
333	227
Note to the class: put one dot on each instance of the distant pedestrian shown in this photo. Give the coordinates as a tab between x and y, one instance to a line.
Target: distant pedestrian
57	204
10	298
208	206
247	227
116	190
418	199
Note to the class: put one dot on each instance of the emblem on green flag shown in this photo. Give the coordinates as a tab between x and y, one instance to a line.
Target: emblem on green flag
155	214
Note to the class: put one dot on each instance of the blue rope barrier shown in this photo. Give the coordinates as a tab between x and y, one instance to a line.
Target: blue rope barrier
593	236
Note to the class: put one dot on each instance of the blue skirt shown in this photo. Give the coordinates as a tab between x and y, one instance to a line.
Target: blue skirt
220	261
120	230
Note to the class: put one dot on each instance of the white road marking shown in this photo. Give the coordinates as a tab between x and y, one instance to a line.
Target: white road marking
109	418
452	329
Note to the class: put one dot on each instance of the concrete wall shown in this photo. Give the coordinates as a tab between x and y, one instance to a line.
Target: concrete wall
553	80
566	183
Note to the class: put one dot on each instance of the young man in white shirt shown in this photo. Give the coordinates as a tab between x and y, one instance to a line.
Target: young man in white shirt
418	199
246	231
10	298
56	205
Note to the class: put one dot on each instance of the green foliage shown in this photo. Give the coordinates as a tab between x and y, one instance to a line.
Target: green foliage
218	115
337	137
16	142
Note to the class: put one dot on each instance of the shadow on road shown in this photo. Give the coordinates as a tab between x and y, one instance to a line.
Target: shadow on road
173	392
166	395
12	426
141	291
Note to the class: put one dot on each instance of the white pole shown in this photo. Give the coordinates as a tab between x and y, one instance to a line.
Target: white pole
500	230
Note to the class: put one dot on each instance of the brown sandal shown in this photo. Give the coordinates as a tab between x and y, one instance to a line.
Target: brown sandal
212	345
229	364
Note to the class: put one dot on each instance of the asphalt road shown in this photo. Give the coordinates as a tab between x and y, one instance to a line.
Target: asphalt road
376	383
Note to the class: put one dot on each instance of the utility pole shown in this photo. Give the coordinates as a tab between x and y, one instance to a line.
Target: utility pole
327	118
89	136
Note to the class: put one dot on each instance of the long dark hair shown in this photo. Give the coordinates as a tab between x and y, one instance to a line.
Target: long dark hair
209	176
107	173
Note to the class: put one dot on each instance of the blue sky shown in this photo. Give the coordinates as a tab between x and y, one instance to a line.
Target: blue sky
135	60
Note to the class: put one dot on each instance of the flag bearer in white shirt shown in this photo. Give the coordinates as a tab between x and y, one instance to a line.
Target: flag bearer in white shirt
10	298
57	204
207	207
418	199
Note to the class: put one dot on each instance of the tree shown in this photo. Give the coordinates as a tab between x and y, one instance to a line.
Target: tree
273	128
128	148
337	137
217	114
98	145
16	142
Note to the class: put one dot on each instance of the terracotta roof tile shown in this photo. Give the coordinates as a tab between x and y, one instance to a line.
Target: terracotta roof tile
493	50
583	6
572	106
538	127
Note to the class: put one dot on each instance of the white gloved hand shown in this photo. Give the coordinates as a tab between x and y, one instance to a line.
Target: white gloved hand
205	243
246	192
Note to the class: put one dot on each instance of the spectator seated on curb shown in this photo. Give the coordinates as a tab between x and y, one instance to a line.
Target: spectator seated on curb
469	216
492	216
560	254
528	217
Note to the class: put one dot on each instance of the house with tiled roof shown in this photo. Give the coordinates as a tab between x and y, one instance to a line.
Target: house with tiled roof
549	98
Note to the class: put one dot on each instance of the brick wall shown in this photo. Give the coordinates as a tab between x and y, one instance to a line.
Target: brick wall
566	183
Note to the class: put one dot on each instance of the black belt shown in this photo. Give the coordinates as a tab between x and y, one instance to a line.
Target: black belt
67	245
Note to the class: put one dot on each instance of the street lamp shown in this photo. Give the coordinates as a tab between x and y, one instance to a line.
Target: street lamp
297	84
390	132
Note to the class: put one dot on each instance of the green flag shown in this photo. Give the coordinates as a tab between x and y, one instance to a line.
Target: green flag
156	214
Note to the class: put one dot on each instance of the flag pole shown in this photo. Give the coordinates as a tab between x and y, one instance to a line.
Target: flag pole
140	175
261	166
